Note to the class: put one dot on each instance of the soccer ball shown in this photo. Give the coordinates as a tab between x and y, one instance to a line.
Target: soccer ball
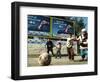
44	59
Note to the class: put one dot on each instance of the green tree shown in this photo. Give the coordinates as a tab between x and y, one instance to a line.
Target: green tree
78	24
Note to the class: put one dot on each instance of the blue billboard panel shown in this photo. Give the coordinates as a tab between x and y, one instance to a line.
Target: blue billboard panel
60	26
38	23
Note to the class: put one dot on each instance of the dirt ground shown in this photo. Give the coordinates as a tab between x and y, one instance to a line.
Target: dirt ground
33	61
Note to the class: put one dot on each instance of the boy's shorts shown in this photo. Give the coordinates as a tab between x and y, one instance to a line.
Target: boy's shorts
84	52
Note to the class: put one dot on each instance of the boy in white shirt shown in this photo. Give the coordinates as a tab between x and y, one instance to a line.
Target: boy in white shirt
83	41
70	50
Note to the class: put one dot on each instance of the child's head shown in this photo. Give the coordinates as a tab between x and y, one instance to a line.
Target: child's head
70	35
59	43
83	31
48	39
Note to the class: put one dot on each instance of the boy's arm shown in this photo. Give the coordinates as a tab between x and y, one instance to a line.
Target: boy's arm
77	39
85	42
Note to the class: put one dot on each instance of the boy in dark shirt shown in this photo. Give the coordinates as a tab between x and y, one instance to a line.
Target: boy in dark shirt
49	45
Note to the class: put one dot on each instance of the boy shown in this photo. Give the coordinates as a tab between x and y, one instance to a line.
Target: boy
58	53
70	50
83	44
50	45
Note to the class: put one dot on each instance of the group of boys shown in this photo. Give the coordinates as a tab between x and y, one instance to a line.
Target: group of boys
81	40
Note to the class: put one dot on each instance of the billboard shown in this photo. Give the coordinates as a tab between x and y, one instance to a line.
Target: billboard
38	23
